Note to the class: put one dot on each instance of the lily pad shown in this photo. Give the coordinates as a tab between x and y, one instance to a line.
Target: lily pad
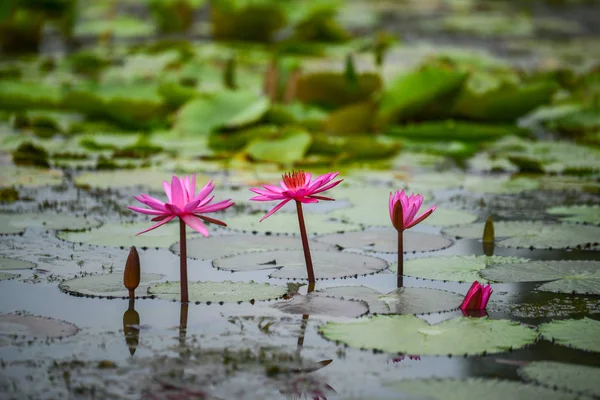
458	336
579	277
581	334
287	148
285	223
475	389
406	300
534	234
17	223
316	305
106	285
570	377
217	292
128	178
290	264
578	214
379	216
453	268
6	276
221	246
13	263
27	176
35	327
386	241
121	26
500	184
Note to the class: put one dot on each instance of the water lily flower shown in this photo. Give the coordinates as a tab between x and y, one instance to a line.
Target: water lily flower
189	206
403	210
477	297
298	186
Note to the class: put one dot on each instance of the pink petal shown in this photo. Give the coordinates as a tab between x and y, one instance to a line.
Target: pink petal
472	298
327	187
195	223
321	198
262	198
408	215
268	194
485	296
164	221
193	186
273	188
177	193
145	210
422	217
307	178
167	187
205	191
307	200
173	209
221	205
191	206
275	209
151	202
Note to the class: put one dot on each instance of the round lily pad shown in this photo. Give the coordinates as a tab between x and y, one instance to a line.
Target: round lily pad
106	285
128	178
475	389
500	184
13	263
217	292
17	223
581	334
386	241
316	305
406	300
533	234
286	223
221	246
291	264
4	276
569	377
379	216
34	326
409	334
27	176
117	234
452	268
580	277
578	214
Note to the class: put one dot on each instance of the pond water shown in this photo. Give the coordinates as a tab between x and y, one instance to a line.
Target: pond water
253	328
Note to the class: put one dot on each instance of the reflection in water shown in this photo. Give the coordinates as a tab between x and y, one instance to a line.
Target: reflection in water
131	325
410	357
474	313
183	320
488	248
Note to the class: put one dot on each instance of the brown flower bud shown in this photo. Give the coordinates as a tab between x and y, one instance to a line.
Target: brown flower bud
131	276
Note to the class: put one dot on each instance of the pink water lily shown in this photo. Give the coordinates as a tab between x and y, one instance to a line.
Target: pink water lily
410	206
477	297
183	202
296	186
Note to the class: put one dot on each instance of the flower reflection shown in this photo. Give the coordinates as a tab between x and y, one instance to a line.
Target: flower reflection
401	358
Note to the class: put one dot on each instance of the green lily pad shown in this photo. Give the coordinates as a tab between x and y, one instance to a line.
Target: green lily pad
379	215
406	300
35	327
570	377
453	268
290	264
106	285
500	184
534	234
7	263
286	223
580	277
27	176
17	223
315	305
581	334
578	214
121	26
452	130
332	90
28	95
386	241
287	148
4	276
458	336
148	178
221	246
474	389
217	292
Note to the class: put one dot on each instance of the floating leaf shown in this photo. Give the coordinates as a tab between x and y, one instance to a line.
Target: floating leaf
148	178
106	285
371	215
285	223
533	234
120	26
221	246
6	276
475	389
578	214
453	268
580	277
458	336
315	305
27	176
35	327
406	300
386	241
581	334
13	263
290	264
28	95
332	90
17	223
500	184
217	292
544	305
287	148
570	377
452	130
354	118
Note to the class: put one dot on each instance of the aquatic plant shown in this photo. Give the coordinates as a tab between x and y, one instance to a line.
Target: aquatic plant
403	210
298	186
189	207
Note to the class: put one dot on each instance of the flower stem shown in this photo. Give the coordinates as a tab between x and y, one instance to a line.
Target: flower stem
400	259
307	258
183	262
183	318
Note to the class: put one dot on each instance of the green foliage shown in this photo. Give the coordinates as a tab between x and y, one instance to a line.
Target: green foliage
332	90
173	15
248	21
287	147
351	148
29	154
453	130
15	95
